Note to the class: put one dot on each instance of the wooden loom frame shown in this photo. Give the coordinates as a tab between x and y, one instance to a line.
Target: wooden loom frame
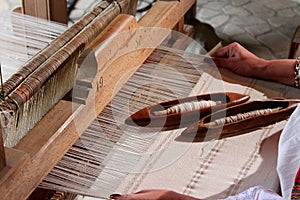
39	151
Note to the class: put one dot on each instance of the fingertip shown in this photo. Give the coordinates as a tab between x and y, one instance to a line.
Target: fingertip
219	53
115	196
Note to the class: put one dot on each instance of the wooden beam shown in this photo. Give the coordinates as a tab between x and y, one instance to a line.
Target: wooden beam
166	14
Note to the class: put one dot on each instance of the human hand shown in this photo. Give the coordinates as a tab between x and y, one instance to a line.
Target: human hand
155	195
239	60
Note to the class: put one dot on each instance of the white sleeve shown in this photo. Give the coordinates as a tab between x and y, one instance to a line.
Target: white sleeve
288	154
256	193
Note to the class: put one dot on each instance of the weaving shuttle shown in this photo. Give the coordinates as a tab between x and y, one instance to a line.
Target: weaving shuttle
147	116
242	118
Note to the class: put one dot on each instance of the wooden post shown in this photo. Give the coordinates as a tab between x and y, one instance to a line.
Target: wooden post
294	51
2	152
191	14
132	7
54	10
58	11
180	26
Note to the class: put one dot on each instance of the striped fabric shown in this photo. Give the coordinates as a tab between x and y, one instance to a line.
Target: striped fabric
296	188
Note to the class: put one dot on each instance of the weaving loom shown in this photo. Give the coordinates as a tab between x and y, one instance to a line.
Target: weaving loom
37	86
132	67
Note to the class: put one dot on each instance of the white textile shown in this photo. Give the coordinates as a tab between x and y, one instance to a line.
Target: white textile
256	193
287	166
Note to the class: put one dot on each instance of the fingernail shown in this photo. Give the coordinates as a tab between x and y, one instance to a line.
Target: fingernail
115	196
208	60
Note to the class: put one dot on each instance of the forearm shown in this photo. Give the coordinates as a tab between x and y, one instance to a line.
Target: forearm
282	70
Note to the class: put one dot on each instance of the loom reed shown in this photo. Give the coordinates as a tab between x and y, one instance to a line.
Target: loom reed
42	80
65	37
21	37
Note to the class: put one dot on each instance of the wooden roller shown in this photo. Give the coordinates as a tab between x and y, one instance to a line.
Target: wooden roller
153	117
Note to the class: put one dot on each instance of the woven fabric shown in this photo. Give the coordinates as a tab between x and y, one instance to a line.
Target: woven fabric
220	168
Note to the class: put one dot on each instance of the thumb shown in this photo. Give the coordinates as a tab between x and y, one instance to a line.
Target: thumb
222	52
224	62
